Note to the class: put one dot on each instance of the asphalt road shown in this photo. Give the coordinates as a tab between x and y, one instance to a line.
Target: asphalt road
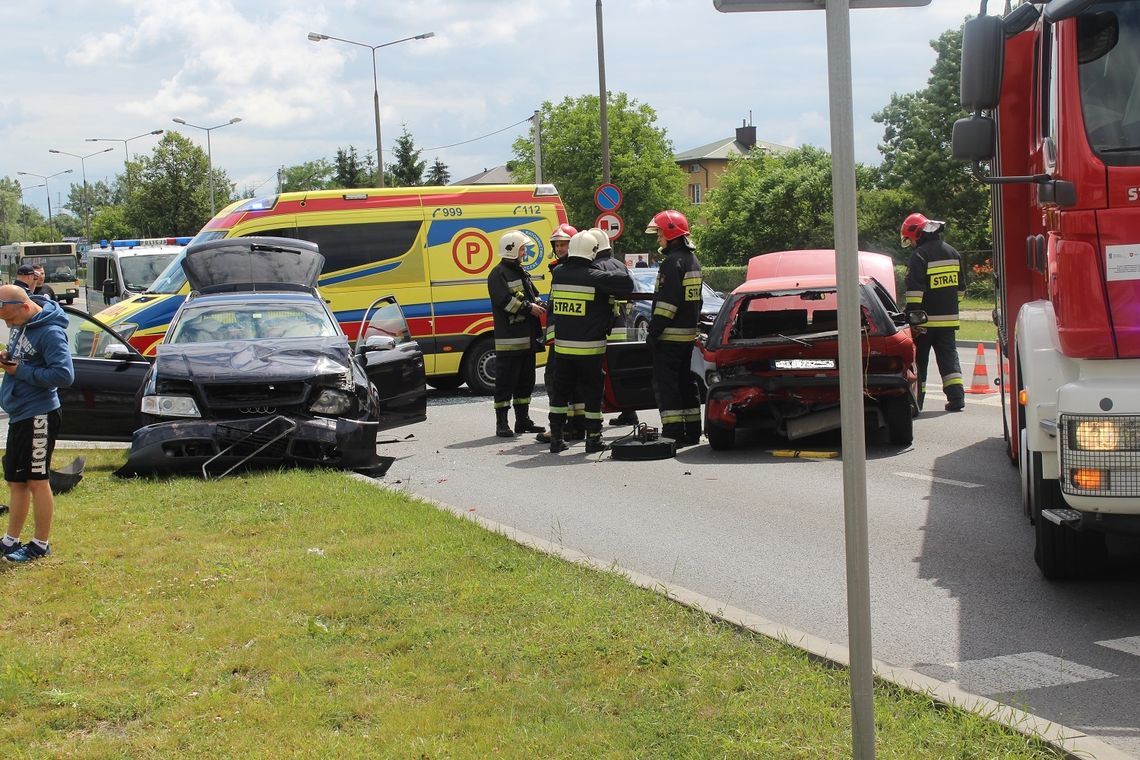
955	592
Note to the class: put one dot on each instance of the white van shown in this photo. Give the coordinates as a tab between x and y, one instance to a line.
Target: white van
119	269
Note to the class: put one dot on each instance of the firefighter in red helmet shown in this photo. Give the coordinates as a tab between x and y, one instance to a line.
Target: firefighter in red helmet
935	280
673	328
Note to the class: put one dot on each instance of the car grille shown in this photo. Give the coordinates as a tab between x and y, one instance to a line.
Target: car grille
255	398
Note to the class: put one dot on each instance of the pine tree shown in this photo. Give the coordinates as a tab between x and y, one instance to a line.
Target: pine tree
408	169
438	174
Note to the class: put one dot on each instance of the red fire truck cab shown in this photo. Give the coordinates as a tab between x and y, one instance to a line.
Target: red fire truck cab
1055	91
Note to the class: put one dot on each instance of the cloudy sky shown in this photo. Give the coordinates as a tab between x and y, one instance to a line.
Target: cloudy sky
118	68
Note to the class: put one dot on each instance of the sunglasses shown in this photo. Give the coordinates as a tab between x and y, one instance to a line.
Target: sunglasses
10	303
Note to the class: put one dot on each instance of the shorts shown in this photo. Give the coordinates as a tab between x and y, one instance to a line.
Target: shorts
31	443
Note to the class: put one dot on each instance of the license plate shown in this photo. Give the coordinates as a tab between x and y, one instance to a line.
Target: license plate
804	364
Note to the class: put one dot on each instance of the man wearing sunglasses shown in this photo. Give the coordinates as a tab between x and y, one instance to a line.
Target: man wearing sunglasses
35	363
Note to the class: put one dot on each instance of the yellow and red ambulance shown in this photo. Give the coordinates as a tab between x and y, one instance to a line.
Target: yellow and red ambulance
430	247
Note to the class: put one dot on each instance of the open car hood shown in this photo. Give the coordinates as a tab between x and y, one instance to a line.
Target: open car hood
254	361
252	263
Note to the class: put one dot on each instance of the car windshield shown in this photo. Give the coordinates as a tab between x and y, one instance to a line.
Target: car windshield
645	281
141	270
220	322
56	268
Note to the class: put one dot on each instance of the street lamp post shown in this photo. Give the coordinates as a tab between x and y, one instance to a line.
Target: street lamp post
315	37
86	198
209	150
24	208
45	178
126	154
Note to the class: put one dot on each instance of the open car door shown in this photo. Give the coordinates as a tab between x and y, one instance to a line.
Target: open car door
628	372
394	363
101	404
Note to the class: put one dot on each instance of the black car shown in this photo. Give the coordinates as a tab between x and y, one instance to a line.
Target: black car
645	281
254	370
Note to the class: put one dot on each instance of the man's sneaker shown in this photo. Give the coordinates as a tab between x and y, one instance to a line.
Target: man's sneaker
6	550
29	552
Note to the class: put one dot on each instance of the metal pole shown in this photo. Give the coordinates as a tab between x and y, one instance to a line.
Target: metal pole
376	108
603	98
210	169
51	229
537	149
86	202
850	378
127	167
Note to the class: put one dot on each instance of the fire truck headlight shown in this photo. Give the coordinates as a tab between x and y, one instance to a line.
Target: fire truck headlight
1096	435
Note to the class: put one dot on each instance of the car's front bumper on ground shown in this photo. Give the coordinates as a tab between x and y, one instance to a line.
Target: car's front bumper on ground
214	447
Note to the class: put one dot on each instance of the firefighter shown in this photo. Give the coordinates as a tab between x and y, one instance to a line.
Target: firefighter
935	280
580	300
618	329
575	429
673	328
517	312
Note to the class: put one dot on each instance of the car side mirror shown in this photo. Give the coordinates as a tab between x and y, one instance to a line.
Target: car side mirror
916	317
378	343
109	289
117	352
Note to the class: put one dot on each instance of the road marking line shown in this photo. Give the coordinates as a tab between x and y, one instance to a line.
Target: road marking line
1128	645
942	481
1009	673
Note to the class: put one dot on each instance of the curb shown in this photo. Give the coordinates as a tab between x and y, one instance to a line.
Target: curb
1071	741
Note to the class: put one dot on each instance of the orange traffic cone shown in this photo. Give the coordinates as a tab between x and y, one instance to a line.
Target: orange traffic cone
981	381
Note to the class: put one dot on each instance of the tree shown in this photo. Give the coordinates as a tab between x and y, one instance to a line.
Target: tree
311	175
99	194
641	162
408	169
170	189
438	174
349	171
916	151
110	223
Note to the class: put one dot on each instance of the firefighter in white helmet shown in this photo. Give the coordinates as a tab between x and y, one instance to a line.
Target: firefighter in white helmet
580	300
575	421
517	311
619	328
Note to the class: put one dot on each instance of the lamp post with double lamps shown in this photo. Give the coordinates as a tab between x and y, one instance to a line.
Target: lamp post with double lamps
45	178
209	150
126	153
315	37
86	198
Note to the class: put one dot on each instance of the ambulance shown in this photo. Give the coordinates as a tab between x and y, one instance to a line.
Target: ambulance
429	247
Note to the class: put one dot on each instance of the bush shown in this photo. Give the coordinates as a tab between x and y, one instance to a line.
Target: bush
982	282
723	279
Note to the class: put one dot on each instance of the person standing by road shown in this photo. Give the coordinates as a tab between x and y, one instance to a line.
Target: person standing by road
42	288
36	363
580	300
935	280
619	329
575	413
517	312
673	328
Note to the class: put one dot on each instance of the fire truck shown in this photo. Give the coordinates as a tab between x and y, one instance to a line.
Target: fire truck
1054	88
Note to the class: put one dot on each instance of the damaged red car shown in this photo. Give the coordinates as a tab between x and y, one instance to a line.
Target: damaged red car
773	351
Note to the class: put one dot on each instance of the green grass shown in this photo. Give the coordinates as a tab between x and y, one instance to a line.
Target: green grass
308	614
974	330
976	304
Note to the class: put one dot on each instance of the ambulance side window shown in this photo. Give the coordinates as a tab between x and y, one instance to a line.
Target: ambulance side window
345	246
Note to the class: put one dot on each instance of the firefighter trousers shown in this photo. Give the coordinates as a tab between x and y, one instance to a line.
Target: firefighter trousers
677	395
514	378
943	341
578	378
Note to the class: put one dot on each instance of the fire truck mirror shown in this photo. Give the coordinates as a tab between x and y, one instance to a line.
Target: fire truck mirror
1019	19
983	47
973	139
1057	192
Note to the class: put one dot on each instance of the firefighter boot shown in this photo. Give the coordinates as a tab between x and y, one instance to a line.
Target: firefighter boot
676	431
556	442
575	428
692	433
502	427
955	398
523	422
595	444
628	417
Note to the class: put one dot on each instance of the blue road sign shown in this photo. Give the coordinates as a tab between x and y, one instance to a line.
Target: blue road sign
607	197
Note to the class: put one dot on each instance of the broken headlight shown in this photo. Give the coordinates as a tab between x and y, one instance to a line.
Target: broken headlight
170	406
331	401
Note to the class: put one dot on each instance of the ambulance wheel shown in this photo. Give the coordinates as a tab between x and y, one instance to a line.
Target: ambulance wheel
445	382
479	367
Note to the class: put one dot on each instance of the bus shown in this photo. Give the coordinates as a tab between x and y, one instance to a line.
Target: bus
59	260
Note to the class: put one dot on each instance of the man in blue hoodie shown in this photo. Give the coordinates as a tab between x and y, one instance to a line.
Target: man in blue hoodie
36	362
